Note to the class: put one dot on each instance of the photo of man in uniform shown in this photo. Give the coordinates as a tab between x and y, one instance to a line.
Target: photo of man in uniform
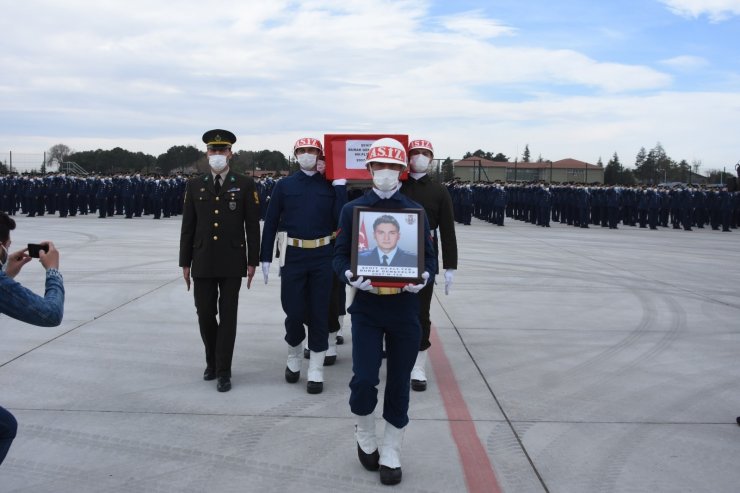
387	233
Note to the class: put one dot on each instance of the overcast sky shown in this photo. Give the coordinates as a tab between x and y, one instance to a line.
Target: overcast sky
580	79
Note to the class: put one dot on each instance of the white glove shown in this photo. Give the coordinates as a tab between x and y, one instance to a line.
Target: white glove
265	270
449	274
360	283
339	181
415	288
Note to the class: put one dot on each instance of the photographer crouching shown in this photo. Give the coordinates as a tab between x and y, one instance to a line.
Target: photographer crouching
22	304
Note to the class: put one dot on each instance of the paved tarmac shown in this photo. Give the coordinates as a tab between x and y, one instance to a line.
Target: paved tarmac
565	360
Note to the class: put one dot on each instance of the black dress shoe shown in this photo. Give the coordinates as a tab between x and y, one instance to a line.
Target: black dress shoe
292	376
209	374
368	461
314	387
340	340
330	360
224	384
419	385
390	475
307	353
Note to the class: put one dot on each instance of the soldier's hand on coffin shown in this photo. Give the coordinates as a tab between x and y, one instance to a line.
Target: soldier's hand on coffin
339	182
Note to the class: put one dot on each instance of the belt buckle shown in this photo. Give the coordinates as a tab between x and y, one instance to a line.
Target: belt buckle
387	291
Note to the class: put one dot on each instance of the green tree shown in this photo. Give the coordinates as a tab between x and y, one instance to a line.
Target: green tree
718	176
525	155
653	166
116	160
448	170
612	171
178	158
682	172
501	158
616	174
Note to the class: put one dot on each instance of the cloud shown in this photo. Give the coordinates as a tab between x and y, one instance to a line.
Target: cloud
147	75
473	23
716	10
686	63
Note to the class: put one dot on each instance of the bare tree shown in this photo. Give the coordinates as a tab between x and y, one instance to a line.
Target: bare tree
695	165
58	153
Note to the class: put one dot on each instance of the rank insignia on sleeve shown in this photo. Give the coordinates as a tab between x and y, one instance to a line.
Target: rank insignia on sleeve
256	198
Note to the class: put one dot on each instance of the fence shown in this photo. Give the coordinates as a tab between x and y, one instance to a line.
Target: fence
25	162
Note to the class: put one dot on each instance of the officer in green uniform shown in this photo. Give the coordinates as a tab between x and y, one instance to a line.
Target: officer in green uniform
437	204
219	245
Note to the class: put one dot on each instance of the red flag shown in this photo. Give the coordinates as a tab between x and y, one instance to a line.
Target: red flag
362	244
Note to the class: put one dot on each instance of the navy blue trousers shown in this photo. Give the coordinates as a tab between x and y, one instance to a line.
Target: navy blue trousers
394	318
305	293
8	428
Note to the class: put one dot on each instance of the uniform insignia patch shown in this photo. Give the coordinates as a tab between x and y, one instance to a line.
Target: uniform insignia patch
232	206
235	189
256	198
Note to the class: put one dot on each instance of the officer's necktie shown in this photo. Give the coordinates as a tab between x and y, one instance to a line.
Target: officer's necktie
385	260
217	184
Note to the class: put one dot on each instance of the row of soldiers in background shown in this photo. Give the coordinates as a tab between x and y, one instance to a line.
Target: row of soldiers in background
69	195
578	205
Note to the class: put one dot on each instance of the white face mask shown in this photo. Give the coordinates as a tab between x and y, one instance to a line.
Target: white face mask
420	163
385	180
217	162
306	161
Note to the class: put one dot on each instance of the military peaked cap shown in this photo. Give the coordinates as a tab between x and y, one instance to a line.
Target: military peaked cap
219	138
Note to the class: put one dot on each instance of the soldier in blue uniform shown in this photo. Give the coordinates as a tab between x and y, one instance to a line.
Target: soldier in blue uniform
306	207
686	206
612	206
725	208
653	206
499	204
103	195
378	314
544	202
138	189
82	195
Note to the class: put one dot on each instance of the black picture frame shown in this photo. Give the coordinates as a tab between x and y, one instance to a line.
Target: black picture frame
406	258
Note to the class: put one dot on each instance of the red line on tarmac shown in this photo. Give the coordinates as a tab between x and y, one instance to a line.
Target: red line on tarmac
479	474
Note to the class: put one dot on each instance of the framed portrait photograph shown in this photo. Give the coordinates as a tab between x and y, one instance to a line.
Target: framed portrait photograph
388	245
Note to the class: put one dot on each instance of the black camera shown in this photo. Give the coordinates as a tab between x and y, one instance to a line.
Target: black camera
34	249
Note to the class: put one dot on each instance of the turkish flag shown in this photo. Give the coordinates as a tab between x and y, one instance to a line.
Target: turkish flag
362	244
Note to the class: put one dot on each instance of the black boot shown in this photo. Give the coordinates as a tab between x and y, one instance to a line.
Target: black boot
368	461
390	476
